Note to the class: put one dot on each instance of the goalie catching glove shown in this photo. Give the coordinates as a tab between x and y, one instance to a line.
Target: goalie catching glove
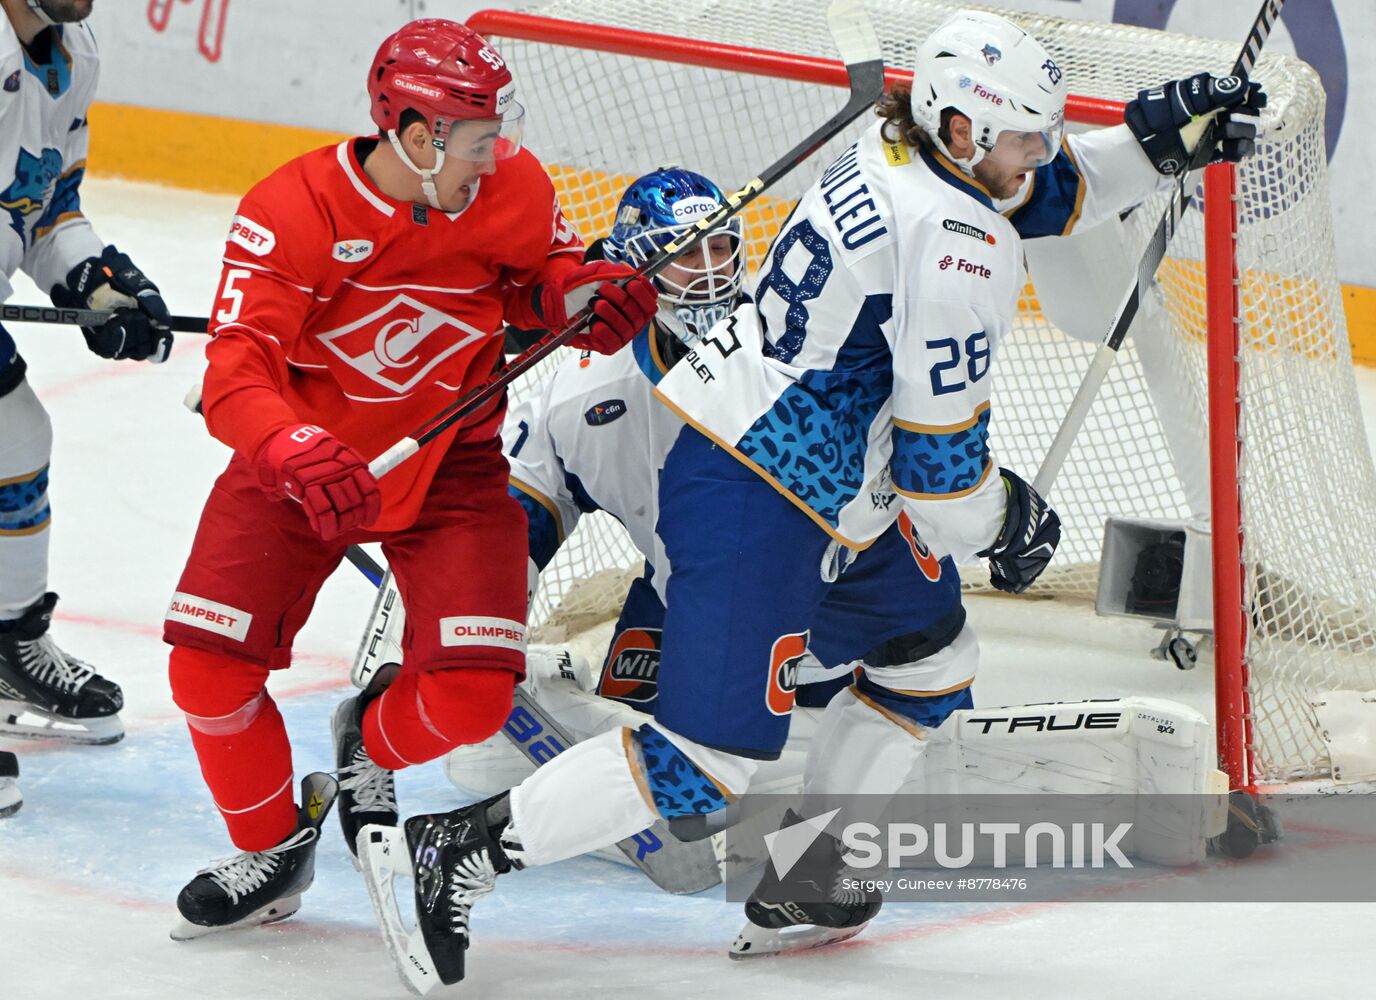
1029	536
618	312
1157	116
140	329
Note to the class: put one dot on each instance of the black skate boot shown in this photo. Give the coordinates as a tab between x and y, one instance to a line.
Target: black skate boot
45	693
259	887
811	905
10	799
455	858
367	792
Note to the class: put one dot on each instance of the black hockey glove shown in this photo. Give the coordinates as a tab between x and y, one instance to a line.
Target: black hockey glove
1031	531
140	329
1157	116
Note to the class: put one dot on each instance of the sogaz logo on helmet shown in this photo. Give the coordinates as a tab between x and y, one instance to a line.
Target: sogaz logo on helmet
693	208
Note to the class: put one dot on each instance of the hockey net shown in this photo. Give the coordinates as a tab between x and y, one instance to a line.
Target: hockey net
618	88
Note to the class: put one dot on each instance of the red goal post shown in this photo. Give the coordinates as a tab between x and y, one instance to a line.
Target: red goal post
617	87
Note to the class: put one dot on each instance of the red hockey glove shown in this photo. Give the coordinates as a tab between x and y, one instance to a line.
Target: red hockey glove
330	479
618	314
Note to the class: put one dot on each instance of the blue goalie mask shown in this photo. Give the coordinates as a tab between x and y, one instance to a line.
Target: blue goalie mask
702	286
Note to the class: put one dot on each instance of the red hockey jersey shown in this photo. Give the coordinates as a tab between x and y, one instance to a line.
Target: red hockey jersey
342	307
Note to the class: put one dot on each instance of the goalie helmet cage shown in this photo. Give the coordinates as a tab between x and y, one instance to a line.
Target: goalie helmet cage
1236	390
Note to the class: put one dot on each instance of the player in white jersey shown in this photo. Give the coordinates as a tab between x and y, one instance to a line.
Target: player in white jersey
853	391
48	71
594	438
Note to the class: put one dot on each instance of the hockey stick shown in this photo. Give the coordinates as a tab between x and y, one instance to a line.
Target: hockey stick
859	47
676	867
1181	197
88	317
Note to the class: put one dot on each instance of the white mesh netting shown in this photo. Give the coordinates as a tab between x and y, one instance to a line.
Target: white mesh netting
598	120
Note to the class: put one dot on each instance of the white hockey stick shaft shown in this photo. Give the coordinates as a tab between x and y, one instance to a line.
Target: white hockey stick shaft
1200	133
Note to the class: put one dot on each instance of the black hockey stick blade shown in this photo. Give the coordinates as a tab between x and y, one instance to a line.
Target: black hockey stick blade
858	44
678	868
87	317
1155	252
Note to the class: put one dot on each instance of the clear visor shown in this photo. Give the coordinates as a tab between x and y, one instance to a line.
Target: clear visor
1025	150
701	286
486	139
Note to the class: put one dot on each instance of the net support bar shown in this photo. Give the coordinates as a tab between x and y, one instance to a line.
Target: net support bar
1231	697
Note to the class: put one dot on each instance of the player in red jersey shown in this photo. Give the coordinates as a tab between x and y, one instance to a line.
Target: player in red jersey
365	286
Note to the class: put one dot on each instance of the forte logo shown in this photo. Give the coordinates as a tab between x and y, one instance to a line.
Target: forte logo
969	267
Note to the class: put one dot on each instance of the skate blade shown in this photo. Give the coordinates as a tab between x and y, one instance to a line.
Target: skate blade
279	909
763	942
383	855
15	722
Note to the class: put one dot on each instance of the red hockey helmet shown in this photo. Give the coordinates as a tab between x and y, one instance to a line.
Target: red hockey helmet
448	73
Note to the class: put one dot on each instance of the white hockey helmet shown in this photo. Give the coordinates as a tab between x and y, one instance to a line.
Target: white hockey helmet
998	76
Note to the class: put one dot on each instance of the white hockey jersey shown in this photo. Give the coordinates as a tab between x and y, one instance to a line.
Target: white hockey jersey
43	139
594	438
858	380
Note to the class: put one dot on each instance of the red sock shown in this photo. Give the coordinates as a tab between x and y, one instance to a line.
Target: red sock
425	714
241	743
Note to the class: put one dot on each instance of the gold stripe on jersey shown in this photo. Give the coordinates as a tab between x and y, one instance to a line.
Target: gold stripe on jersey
908	425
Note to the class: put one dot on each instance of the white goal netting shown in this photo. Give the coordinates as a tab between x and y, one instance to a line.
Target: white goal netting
1308	492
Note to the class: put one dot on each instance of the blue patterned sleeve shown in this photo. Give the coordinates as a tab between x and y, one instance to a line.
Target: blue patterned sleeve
941	462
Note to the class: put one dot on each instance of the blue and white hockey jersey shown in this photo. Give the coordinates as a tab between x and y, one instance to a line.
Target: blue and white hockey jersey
594	438
858	381
43	139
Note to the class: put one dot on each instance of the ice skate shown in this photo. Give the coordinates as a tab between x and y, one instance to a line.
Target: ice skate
367	792
809	907
10	797
454	858
258	887
48	694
